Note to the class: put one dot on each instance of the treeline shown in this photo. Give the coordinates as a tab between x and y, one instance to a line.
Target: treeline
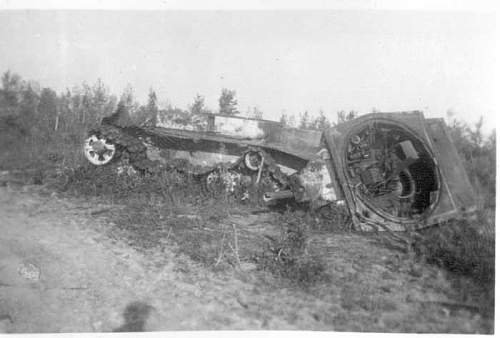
319	122
35	121
31	109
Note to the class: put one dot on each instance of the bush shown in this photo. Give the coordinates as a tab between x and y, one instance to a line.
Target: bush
461	248
479	158
288	256
465	248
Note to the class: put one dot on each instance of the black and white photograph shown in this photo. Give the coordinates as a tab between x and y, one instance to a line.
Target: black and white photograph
301	167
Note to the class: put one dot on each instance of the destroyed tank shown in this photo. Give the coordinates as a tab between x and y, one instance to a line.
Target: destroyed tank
392	171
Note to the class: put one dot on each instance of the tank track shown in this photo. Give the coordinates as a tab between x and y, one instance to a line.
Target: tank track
128	147
132	148
237	178
228	177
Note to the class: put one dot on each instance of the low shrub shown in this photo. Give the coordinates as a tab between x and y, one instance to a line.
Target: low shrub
464	248
288	257
460	247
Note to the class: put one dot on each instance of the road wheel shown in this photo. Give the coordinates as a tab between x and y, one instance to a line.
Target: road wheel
98	150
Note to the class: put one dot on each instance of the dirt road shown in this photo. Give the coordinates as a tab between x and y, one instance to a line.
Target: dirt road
59	272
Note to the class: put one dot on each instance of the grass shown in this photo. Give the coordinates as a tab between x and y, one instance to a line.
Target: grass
288	255
167	208
170	206
465	248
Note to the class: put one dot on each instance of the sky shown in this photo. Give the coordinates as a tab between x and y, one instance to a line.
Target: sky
278	61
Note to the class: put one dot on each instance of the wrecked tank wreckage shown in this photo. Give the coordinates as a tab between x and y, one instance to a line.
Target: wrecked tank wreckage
392	171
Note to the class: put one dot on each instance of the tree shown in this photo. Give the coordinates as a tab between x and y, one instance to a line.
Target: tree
321	122
29	101
479	156
127	111
228	102
198	106
152	101
152	106
11	89
256	113
476	134
103	102
47	111
18	104
127	99
283	120
99	94
291	122
304	120
28	107
342	116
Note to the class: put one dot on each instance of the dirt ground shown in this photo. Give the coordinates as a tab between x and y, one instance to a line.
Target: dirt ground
60	272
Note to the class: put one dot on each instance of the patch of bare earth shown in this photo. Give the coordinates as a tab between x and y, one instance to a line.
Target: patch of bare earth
62	269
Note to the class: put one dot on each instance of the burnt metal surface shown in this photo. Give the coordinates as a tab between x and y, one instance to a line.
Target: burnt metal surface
289	147
399	171
457	195
394	171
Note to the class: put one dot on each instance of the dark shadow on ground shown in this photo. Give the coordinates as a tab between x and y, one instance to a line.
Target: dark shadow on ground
135	316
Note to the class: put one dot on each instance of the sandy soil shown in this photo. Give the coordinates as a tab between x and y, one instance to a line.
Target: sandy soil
60	272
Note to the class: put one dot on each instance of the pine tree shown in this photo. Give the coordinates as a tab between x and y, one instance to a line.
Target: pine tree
198	106
284	120
342	116
321	122
152	106
47	110
257	113
304	120
228	102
